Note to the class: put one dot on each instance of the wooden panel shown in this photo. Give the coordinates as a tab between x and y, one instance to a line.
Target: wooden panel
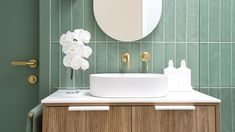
54	119
147	119
206	119
59	119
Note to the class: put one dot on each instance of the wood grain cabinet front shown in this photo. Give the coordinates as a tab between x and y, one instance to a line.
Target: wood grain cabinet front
61	119
131	118
150	119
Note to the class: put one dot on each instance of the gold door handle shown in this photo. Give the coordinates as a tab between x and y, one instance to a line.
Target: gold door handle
31	63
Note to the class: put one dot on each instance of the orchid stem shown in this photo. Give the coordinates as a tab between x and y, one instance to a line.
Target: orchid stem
71	75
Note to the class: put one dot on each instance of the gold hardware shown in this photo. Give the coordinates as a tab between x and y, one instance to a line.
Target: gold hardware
145	57
31	63
32	79
126	59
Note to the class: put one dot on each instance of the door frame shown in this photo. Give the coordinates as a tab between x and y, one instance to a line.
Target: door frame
44	47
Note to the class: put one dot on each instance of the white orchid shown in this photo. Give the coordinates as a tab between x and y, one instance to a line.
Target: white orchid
75	50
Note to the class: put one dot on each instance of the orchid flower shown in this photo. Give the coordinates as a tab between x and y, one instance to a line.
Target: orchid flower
75	50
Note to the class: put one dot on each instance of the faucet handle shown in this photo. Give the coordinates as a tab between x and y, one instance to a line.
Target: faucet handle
145	56
126	59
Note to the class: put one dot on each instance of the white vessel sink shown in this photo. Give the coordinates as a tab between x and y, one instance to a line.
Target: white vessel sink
128	85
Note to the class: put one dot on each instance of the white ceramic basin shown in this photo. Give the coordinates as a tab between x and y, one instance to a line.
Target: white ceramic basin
128	85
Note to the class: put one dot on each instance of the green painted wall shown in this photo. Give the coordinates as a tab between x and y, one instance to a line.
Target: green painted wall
200	31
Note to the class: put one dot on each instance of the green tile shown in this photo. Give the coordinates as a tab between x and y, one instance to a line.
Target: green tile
215	92
226	109
92	64
123	47
169	21
111	39
89	19
214	64
215	18
197	89
77	13
226	65
204	90
66	24
233	105
101	57
226	20
169	53
149	37
112	57
181	20
55	64
193	21
181	50
100	35
193	62
55	24
158	31
233	21
135	57
204	64
204	15
158	60
233	65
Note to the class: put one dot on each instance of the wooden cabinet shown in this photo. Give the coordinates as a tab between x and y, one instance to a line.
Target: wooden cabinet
60	119
131	118
147	119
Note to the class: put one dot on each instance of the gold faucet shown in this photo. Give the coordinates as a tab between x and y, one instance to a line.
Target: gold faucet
126	59
145	57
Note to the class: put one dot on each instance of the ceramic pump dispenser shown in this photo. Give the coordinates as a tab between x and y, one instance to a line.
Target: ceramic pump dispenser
184	76
171	73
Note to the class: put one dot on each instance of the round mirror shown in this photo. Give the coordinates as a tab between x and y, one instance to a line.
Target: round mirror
127	20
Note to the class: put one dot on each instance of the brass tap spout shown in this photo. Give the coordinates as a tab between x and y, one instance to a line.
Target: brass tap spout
126	59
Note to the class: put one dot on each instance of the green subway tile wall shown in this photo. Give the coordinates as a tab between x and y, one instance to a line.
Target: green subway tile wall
200	31
217	56
176	37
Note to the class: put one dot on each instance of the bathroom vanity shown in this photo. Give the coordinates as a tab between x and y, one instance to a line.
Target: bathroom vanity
190	111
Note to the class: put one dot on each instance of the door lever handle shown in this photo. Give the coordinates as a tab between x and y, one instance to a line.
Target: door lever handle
31	63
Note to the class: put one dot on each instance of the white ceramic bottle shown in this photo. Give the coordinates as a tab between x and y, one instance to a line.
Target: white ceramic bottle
171	73
184	76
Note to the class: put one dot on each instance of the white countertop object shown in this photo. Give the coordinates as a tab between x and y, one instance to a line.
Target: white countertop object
84	96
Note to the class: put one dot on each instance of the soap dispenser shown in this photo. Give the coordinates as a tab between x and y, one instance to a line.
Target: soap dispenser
184	74
171	74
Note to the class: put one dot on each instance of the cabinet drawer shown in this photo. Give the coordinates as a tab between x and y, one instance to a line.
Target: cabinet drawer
87	119
173	119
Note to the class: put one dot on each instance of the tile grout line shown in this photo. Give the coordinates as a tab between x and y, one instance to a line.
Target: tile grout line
220	50
163	36
83	26
198	46
152	53
186	35
232	64
95	48
129	50
175	33
106	54
208	49
118	60
60	52
220	53
71	28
